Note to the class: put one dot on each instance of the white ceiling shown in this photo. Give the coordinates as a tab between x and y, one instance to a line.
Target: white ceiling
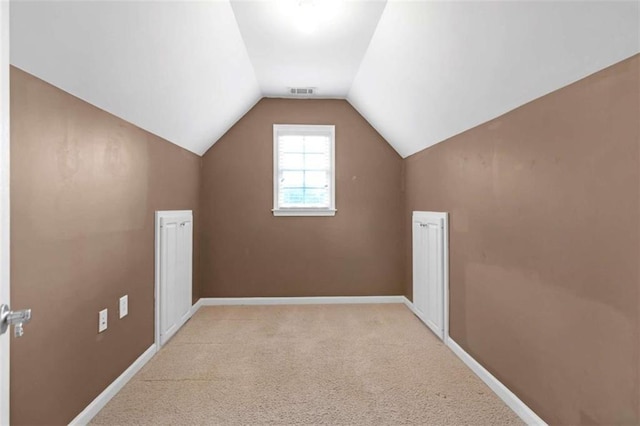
177	69
187	71
326	57
437	68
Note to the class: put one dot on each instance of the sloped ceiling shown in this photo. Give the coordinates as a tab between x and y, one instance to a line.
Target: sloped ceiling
437	68
418	71
287	51
177	69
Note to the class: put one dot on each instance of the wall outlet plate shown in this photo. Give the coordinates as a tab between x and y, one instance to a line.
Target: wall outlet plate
124	306
102	320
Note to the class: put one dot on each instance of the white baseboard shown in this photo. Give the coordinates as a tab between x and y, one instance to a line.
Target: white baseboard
445	334
509	398
101	400
219	301
409	305
195	307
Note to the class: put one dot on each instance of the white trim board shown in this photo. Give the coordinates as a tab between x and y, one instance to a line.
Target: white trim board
409	304
5	160
196	306
329	300
101	400
508	397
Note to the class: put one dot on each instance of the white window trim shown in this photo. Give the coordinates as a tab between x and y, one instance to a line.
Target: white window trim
310	211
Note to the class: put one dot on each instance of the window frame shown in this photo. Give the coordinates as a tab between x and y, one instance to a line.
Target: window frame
297	129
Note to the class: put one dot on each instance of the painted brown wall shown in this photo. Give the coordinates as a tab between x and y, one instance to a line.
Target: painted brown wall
247	251
84	188
544	245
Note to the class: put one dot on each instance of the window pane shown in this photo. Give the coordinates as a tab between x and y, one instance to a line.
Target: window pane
292	179
291	161
316	197
316	180
291	197
304	167
317	144
304	197
316	161
290	143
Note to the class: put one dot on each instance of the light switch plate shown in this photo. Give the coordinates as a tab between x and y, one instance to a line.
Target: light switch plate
124	306
102	320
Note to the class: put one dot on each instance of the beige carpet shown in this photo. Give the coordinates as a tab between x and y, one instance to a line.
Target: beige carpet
323	364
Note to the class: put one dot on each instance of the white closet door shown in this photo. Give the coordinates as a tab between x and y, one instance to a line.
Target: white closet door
168	273
419	268
429	254
433	276
175	272
185	244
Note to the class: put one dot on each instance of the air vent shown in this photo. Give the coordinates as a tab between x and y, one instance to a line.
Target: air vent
302	91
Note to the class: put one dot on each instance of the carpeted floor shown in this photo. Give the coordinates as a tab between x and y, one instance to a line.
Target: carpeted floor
313	364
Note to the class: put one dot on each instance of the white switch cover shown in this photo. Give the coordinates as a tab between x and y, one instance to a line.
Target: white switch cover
124	306
102	321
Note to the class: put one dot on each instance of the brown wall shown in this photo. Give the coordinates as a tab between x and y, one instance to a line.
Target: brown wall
247	251
544	245
544	207
84	188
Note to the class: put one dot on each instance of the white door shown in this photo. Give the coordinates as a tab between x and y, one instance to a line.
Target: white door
419	287
430	297
174	241
4	205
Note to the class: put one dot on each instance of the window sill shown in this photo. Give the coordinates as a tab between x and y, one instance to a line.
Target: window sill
304	212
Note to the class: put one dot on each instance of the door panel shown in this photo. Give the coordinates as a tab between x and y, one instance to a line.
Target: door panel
186	251
419	293
429	272
175	272
168	278
433	281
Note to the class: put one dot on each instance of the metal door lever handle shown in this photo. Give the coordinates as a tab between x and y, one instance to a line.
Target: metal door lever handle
17	319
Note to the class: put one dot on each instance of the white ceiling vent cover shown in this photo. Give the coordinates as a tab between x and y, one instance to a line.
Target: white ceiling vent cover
302	91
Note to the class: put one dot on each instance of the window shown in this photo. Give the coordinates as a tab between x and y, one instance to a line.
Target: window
303	170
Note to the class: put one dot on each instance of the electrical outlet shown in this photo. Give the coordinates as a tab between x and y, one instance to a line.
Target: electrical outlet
124	306
102	320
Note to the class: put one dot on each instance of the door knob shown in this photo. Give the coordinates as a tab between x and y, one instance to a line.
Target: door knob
15	318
